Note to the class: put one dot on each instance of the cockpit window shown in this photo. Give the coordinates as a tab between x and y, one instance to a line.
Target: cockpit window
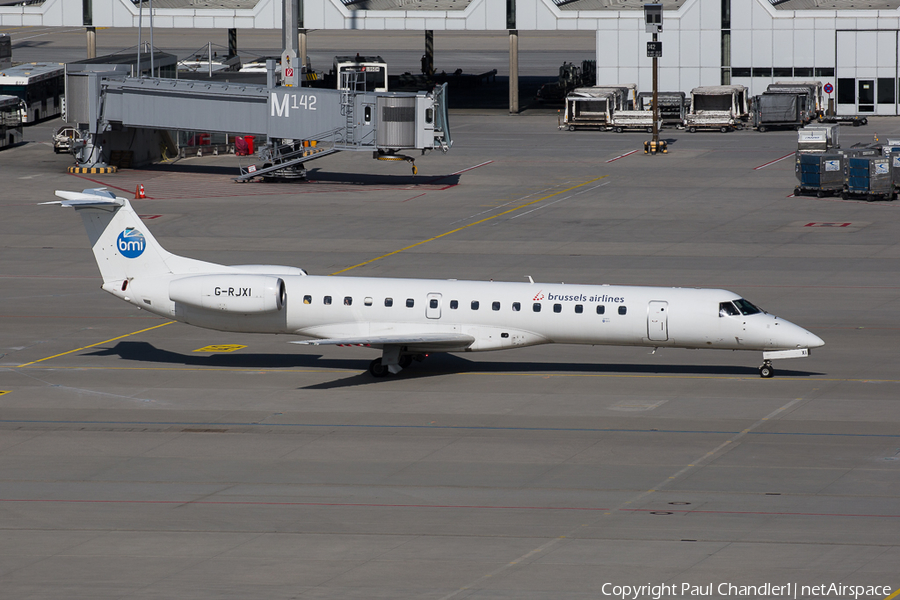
727	309
745	307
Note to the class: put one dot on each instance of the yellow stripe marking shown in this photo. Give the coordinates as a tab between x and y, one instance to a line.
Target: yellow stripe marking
97	344
894	595
437	237
5	392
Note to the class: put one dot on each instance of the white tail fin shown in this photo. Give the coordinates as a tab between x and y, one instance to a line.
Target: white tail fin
123	247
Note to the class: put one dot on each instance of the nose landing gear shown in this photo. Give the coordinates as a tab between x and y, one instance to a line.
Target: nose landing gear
766	370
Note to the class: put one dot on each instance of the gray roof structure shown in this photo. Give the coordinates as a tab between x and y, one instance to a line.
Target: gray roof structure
836	4
411	5
200	4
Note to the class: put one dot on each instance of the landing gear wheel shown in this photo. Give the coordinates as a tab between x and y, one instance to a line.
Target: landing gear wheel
766	371
376	369
692	129
405	361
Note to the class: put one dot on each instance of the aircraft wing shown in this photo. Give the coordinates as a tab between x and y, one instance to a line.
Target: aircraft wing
434	341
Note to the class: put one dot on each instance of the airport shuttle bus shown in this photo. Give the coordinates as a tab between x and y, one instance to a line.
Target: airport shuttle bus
10	121
407	318
40	86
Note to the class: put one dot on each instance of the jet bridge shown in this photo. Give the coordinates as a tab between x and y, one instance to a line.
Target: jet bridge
103	101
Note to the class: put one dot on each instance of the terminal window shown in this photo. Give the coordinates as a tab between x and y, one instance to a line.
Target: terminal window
886	90
846	91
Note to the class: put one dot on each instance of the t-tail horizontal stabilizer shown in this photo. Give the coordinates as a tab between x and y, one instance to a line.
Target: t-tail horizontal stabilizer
92	198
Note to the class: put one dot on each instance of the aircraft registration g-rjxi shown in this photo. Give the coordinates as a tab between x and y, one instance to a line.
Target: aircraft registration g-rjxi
407	318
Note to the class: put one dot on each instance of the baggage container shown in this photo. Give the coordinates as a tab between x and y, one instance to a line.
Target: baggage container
867	173
818	138
819	173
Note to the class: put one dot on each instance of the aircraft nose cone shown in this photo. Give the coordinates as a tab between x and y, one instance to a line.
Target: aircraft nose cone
814	341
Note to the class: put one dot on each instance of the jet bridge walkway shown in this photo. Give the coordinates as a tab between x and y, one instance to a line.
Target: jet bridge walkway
103	102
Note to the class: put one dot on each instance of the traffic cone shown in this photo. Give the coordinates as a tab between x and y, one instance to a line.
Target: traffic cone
139	192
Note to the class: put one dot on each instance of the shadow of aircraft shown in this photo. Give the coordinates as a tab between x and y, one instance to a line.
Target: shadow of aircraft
435	364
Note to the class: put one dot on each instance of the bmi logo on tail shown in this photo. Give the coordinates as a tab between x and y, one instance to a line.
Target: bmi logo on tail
131	243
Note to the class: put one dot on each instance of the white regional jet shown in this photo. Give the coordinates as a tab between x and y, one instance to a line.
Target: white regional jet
406	318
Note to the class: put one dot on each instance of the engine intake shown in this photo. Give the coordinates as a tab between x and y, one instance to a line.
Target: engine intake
242	293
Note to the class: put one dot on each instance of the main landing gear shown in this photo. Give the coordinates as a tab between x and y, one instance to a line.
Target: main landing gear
396	362
766	370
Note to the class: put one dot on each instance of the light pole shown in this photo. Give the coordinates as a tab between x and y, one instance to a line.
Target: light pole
653	24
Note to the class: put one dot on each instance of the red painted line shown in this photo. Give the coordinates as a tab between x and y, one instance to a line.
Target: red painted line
772	162
101	183
752	512
451	506
414	197
622	156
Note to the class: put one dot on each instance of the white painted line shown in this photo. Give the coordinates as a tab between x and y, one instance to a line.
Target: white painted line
557	201
772	162
487	162
622	156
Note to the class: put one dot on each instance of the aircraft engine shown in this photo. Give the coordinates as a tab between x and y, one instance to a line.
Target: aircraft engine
238	293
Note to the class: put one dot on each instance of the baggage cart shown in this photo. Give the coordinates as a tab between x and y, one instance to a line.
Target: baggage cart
672	106
721	107
771	110
623	120
589	107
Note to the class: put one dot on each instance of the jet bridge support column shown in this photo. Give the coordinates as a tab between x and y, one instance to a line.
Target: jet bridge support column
513	71
91	41
428	59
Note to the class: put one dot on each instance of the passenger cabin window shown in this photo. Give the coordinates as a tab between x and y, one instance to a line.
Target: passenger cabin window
433	303
601	309
579	308
557	308
388	302
536	307
410	303
326	300
474	304
495	306
727	309
454	304
307	299
348	300
516	307
367	301
622	310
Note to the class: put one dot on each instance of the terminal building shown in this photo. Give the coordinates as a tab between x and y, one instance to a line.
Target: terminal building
850	44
